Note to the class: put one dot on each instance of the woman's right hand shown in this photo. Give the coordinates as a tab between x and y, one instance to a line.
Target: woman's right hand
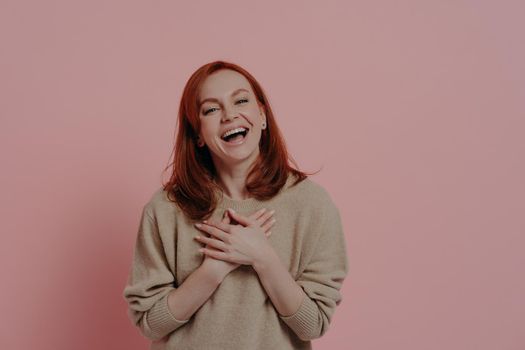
221	268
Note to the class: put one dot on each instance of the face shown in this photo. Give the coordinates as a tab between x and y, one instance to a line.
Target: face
227	102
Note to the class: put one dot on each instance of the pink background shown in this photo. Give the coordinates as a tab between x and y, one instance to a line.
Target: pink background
415	111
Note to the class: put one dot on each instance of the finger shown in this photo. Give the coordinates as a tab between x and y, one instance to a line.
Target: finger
264	218
257	214
268	234
241	219
218	224
215	254
214	231
213	249
210	242
267	225
226	218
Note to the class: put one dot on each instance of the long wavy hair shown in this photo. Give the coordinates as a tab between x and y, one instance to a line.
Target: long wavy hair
192	184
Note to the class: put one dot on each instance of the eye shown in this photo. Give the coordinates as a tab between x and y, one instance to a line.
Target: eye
208	110
244	100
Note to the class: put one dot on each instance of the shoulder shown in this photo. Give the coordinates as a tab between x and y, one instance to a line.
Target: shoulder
311	192
159	205
309	201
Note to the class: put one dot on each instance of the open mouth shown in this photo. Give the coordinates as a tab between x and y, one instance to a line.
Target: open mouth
236	137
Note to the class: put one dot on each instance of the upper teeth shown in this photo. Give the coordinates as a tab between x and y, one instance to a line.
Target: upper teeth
229	132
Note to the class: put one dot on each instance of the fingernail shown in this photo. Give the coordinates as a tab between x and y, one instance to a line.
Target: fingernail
230	209
273	211
205	221
198	225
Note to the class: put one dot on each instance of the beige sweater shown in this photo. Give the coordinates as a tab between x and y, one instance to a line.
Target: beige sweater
307	236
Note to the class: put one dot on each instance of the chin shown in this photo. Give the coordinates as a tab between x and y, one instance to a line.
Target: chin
240	155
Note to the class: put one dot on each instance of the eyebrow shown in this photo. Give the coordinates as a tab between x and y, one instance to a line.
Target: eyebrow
215	100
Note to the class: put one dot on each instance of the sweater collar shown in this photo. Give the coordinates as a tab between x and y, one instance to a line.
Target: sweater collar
251	203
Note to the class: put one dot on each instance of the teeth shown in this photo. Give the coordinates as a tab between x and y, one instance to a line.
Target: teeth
229	132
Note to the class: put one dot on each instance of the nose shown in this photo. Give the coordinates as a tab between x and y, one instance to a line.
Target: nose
228	115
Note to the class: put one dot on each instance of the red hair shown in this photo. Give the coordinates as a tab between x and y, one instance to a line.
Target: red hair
192	183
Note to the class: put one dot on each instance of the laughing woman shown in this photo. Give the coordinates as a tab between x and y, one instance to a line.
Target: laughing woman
238	250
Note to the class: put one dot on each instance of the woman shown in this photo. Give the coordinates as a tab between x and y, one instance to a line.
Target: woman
238	250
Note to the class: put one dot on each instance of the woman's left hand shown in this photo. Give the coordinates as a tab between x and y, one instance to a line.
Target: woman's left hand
244	244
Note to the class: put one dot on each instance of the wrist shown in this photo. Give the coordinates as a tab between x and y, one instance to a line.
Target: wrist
214	275
265	261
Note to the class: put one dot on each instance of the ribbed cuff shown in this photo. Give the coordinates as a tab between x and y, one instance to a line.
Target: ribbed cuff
161	320
305	321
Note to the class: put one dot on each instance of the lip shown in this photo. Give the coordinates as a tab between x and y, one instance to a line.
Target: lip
238	143
235	127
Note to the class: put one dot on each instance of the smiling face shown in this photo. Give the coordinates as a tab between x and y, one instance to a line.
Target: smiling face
227	102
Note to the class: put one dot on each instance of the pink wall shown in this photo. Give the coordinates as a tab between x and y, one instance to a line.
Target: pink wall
417	113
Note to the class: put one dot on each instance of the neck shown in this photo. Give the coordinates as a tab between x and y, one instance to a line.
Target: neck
232	177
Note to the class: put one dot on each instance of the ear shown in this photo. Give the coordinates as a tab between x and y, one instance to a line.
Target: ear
200	143
262	114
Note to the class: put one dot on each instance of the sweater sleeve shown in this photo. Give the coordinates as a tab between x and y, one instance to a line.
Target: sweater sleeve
322	279
149	283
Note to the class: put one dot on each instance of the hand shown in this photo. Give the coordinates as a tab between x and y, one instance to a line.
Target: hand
220	267
245	243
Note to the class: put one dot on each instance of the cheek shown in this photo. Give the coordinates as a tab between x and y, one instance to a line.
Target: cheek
208	130
254	116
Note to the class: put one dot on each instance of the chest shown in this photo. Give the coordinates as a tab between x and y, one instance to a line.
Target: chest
286	239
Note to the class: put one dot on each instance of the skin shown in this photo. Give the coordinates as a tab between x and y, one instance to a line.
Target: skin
228	108
245	243
230	245
221	268
232	162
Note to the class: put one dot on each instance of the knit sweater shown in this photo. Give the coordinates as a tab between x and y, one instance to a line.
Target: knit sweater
308	238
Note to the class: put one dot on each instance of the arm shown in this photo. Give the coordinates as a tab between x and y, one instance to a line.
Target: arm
307	304
196	289
286	295
155	305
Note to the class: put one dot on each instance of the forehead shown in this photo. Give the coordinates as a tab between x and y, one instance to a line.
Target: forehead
222	83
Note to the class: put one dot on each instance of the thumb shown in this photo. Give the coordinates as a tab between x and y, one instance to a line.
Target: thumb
241	219
226	217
